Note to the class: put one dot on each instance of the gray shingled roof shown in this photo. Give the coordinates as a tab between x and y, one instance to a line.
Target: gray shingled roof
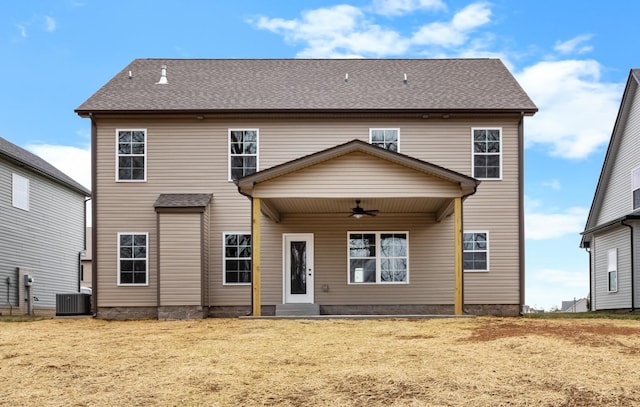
21	156
183	200
311	84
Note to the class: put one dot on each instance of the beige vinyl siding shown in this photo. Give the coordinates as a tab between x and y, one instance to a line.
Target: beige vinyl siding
618	198
619	239
180	259
191	156
357	174
431	279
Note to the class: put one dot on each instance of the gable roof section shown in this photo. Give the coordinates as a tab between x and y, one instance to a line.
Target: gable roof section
610	157
306	85
22	157
246	184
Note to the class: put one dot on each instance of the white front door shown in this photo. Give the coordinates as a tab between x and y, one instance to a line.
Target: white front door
298	268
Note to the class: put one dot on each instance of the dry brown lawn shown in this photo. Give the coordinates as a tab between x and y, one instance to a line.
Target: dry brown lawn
229	362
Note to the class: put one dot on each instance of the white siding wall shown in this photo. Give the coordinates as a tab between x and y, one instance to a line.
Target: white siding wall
618	199
616	239
47	239
191	156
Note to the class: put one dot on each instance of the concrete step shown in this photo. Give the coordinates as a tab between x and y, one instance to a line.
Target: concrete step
297	309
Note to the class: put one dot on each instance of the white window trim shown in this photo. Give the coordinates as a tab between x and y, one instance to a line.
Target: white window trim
473	153
146	259
224	258
378	258
20	192
635	184
488	251
397	129
146	142
612	267
229	148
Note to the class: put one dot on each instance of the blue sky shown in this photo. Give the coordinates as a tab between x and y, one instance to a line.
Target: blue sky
572	57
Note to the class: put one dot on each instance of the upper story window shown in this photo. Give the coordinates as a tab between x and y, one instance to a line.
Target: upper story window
243	152
131	160
487	153
133	258
635	187
388	139
237	258
475	247
20	192
378	257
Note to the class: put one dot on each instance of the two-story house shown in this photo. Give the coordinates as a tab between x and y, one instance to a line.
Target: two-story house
235	187
612	231
42	213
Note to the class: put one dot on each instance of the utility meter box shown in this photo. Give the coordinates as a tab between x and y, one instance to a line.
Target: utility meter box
28	280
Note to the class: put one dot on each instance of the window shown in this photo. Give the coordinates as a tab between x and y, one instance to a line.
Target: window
636	188
487	153
237	258
20	192
132	258
389	139
243	153
612	269
131	155
378	257
475	247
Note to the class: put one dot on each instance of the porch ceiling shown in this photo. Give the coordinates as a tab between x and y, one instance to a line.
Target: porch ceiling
275	208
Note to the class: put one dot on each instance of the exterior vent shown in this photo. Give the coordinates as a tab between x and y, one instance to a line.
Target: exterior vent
73	304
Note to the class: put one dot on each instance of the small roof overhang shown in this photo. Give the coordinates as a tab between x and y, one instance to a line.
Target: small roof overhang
302	186
182	203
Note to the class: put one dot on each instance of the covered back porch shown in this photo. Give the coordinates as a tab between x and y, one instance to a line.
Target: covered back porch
313	243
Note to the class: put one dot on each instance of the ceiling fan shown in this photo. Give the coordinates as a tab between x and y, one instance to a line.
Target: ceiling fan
359	212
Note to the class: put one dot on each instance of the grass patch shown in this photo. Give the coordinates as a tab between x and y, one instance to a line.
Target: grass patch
22	318
480	361
585	315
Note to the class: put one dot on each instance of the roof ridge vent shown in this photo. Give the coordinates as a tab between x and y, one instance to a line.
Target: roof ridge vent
163	76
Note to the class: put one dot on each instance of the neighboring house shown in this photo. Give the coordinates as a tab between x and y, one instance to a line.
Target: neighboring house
235	187
579	305
612	231
42	213
85	260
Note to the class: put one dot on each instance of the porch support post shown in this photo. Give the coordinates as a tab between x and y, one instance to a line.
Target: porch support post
255	253
457	213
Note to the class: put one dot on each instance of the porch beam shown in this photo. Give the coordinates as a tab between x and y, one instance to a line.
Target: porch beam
270	211
457	213
255	257
445	210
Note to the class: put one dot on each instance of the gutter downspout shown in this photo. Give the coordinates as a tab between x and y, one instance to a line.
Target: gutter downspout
94	218
633	277
521	209
591	290
251	199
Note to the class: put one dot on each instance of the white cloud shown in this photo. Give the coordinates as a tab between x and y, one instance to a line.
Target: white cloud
73	161
574	45
50	24
22	29
339	31
345	31
577	110
548	287
542	226
553	184
400	7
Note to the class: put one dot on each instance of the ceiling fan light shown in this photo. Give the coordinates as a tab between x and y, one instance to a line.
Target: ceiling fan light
358	215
